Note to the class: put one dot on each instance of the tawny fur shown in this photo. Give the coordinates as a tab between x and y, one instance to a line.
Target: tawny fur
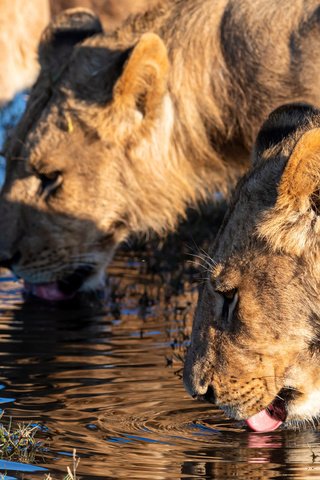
147	120
266	257
111	12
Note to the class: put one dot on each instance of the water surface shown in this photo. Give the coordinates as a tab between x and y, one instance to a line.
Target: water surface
107	381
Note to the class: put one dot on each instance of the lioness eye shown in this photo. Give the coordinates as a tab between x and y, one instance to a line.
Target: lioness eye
230	300
50	182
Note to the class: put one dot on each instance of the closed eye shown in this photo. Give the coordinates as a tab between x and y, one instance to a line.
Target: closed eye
49	183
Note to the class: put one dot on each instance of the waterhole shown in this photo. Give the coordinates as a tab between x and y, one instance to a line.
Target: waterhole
105	379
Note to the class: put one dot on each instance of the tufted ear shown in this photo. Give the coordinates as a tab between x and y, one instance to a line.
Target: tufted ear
300	183
143	82
63	33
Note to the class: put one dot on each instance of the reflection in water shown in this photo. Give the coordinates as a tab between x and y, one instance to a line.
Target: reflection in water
8	466
106	382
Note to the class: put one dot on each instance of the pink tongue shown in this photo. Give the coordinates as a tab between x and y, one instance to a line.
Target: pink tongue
47	291
263	422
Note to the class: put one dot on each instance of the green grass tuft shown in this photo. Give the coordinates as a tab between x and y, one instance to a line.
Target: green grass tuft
18	442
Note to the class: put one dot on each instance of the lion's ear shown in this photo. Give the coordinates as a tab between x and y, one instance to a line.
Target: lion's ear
293	223
63	33
143	81
299	187
283	122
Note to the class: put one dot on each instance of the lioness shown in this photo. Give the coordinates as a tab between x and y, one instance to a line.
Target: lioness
123	131
255	339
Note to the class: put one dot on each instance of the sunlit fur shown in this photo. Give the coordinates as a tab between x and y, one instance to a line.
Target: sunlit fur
111	12
147	120
268	250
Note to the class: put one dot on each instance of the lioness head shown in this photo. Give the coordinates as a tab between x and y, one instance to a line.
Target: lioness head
255	342
71	194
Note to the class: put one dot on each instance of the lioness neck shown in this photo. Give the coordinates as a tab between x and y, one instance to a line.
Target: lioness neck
184	145
160	182
213	87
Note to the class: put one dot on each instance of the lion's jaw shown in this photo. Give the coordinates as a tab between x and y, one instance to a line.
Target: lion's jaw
83	280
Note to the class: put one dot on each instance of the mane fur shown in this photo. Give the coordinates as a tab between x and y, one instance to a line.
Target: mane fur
224	79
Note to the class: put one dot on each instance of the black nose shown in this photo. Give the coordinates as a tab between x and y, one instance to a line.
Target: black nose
9	262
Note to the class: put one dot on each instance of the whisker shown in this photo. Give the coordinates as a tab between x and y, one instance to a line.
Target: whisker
206	262
55	268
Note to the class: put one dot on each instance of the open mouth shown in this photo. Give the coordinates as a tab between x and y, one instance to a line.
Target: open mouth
275	414
269	418
61	290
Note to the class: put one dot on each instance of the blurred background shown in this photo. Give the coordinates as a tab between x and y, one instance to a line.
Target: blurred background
21	24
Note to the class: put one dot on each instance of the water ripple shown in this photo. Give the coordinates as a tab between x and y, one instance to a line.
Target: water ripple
107	381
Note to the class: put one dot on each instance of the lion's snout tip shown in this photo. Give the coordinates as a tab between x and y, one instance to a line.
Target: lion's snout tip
196	383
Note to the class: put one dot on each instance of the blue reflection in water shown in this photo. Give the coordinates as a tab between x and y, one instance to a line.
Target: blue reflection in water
9	117
7	400
20	467
4	399
2	167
